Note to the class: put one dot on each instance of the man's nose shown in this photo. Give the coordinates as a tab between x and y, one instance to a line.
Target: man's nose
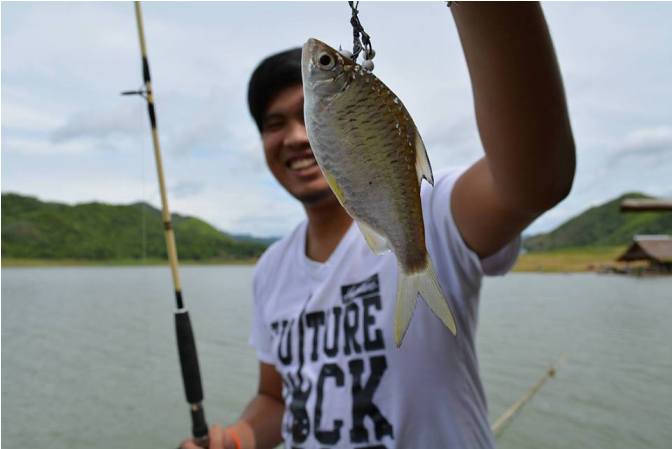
296	135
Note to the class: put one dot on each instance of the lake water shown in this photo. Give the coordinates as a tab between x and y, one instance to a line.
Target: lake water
89	358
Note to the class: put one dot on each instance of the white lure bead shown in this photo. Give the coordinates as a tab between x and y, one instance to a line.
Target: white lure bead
367	65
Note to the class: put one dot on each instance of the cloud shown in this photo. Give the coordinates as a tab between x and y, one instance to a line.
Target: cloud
452	143
102	125
653	144
208	128
67	134
23	117
255	208
186	189
39	147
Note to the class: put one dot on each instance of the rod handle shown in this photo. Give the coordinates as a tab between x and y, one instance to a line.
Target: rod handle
191	374
199	428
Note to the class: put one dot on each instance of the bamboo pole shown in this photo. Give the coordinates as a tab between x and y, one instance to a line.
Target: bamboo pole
165	210
508	415
186	344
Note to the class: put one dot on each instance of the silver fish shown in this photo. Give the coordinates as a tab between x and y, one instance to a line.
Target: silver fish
373	158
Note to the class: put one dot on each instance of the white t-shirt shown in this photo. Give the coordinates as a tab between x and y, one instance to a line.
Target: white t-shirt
328	330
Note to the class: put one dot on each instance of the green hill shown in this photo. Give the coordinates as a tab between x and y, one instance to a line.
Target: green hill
32	229
602	226
36	230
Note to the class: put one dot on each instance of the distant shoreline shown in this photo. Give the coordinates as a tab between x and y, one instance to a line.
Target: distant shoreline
572	260
35	263
569	260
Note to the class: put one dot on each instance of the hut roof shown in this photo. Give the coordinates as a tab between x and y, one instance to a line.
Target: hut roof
657	248
646	205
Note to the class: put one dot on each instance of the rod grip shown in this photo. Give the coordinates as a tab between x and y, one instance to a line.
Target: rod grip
199	428
186	346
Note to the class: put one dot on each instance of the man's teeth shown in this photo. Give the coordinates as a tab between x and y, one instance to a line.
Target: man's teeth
298	164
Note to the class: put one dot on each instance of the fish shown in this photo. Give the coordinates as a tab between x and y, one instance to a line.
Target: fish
373	158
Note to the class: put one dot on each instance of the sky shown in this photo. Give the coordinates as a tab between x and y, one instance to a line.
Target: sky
68	136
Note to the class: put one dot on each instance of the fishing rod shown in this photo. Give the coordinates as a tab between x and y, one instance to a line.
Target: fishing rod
508	415
186	345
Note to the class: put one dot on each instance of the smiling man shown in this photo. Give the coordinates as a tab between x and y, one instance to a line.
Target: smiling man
330	373
286	147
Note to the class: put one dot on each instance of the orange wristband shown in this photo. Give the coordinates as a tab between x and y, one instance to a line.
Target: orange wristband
234	436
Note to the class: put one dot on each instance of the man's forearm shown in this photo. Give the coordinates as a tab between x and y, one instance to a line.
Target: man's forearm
519	100
260	424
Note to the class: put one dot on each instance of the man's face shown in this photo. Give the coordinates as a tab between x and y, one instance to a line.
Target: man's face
287	149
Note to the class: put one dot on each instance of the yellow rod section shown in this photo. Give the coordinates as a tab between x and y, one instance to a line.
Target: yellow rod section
508	415
165	210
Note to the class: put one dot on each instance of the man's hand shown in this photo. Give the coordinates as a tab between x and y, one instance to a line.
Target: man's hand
259	425
219	438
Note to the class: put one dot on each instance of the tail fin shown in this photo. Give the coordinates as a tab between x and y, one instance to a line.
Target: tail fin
408	287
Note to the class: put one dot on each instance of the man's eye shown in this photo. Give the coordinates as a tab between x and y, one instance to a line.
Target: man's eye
273	125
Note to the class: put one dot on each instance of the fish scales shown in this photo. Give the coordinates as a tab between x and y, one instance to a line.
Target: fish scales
374	137
370	152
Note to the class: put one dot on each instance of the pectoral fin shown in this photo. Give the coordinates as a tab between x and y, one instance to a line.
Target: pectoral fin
335	187
376	242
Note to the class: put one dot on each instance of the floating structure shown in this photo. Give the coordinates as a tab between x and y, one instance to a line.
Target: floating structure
653	250
656	250
646	205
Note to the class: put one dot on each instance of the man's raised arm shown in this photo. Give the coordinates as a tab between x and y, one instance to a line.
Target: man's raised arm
522	121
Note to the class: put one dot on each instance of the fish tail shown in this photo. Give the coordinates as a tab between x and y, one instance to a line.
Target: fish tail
427	285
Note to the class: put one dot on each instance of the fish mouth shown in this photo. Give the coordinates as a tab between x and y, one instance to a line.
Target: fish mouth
312	43
311	47
307	65
316	79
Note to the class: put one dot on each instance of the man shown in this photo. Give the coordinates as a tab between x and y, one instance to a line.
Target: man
330	374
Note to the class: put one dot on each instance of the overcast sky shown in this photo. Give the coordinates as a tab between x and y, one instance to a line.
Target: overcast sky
68	136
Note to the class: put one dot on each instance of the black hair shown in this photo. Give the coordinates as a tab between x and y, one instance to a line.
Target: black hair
272	75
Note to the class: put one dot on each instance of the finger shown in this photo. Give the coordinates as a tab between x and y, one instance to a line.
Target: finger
188	444
216	435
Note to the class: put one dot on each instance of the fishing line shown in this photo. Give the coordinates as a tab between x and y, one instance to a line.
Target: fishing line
361	41
143	206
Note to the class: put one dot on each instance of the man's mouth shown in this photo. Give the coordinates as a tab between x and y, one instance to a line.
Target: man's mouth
301	163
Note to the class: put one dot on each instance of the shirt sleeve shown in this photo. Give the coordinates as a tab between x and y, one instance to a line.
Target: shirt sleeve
261	337
445	236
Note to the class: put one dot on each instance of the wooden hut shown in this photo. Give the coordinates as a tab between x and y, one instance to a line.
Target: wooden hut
654	249
646	205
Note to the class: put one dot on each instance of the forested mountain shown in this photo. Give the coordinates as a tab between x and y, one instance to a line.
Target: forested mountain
603	225
32	229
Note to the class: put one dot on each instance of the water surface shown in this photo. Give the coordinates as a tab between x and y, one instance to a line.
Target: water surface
89	357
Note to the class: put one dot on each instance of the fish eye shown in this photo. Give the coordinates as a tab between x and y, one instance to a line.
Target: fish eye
326	61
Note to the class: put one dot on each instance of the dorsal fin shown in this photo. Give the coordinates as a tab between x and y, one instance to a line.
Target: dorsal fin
422	165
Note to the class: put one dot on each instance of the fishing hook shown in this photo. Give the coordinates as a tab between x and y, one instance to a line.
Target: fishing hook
363	43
